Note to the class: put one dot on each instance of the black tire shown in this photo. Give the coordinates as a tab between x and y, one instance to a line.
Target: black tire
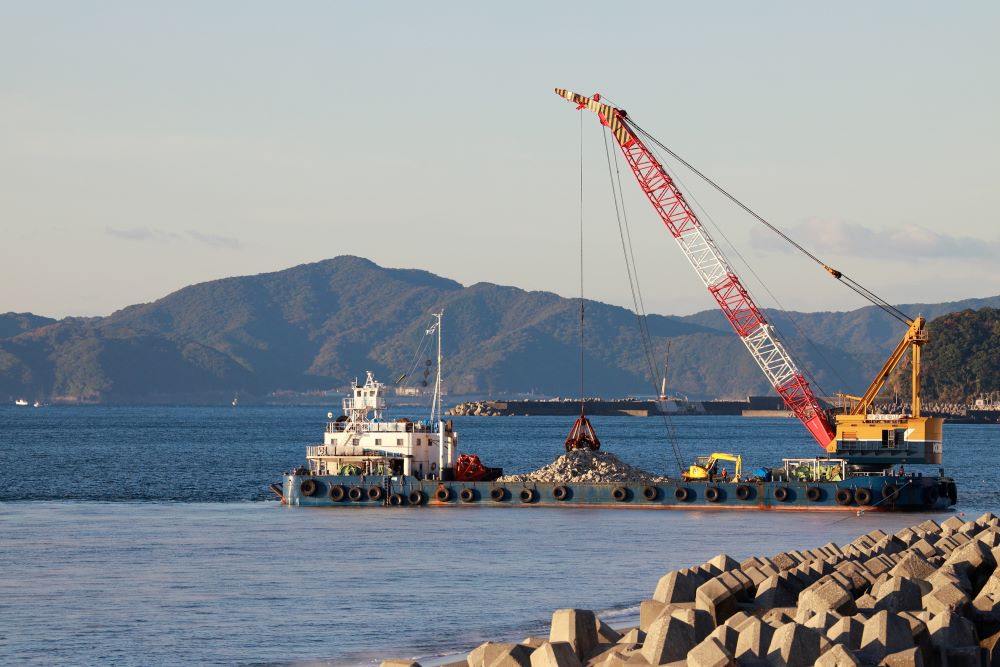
863	496
931	495
651	493
355	493
743	492
308	487
890	492
337	493
781	494
443	494
467	495
560	493
395	499
712	494
375	493
681	494
498	494
844	496
528	495
417	497
814	493
620	494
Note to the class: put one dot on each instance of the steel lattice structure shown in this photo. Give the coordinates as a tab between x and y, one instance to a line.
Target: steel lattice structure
714	270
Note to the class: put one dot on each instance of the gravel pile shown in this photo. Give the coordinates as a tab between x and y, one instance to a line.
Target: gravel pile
584	465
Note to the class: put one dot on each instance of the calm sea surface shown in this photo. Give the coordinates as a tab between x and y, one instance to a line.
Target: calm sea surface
147	536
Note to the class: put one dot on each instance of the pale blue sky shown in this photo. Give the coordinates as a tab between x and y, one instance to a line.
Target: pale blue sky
146	146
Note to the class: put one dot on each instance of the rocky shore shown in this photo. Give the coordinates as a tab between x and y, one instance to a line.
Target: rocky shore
927	595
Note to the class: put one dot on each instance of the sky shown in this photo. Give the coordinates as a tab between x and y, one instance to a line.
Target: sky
146	146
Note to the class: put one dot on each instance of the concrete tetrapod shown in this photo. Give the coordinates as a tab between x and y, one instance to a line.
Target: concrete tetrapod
710	653
554	654
578	627
668	639
795	645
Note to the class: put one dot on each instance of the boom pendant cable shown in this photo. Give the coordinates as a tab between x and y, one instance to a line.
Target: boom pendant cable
847	280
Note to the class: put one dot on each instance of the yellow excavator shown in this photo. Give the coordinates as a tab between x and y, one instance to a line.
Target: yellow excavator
704	467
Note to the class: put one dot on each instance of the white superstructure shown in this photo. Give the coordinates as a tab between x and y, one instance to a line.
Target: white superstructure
361	441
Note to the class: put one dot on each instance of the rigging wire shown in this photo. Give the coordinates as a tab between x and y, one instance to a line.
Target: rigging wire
847	280
416	359
582	394
689	194
632	272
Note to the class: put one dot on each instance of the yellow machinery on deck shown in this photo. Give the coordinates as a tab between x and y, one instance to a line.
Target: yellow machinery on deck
704	467
864	437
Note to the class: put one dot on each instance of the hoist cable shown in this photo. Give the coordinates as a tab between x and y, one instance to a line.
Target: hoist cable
633	280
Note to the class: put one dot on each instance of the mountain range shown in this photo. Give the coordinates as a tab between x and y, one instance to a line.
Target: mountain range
316	326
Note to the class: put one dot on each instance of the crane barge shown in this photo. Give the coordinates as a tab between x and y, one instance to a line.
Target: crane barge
861	469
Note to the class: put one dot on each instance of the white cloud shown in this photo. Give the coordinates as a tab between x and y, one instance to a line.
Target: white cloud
144	234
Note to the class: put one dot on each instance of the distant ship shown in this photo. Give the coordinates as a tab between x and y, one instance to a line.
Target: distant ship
21	402
236	400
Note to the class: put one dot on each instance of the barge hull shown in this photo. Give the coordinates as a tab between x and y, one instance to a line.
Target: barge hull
870	493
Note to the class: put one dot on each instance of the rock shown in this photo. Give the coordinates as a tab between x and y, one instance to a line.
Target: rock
910	657
605	633
967	656
780	590
884	634
951	525
484	654
710	653
649	610
722	563
576	626
515	655
986	605
823	621
913	566
727	636
830	596
795	645
633	636
700	620
991	646
898	594
585	465
847	631
946	598
837	656
714	597
554	654
399	662
779	616
754	640
736	619
668	639
677	586
951	630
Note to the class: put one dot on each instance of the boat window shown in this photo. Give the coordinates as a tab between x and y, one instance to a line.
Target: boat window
378	442
418	442
399	442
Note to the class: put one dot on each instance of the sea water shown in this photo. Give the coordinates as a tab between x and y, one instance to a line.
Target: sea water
147	536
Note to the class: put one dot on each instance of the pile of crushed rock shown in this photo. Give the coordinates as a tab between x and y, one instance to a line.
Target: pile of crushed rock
584	465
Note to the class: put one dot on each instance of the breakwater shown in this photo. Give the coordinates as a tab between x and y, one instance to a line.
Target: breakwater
928	594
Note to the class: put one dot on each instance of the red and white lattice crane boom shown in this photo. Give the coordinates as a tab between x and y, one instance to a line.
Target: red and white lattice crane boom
714	270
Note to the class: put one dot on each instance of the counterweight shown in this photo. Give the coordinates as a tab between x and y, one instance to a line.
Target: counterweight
714	270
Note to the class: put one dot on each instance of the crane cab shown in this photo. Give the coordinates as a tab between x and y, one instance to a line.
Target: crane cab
885	440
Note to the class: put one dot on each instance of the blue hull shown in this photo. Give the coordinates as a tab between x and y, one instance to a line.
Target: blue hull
870	493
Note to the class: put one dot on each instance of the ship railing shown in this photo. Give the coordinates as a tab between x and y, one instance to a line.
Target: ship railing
383	427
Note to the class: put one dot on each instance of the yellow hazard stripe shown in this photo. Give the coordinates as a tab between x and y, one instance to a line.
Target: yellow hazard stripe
610	114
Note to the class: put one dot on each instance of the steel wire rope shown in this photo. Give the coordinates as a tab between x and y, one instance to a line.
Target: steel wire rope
840	276
689	194
582	390
416	359
632	272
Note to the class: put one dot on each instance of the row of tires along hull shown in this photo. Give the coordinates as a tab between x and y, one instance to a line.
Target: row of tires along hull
882	493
